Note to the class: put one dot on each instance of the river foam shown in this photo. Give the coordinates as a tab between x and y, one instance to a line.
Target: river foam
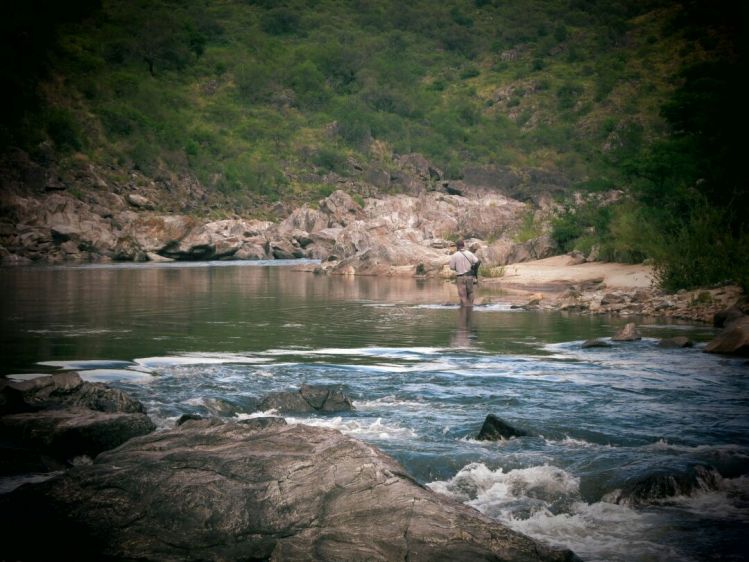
544	502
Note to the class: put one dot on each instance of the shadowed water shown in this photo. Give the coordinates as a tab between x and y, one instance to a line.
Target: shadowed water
423	374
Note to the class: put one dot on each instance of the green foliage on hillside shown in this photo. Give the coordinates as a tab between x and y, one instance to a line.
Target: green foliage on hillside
261	99
687	196
251	95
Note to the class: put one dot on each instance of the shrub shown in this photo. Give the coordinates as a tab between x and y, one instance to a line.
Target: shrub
255	81
568	94
700	252
492	272
308	83
63	129
469	72
529	229
280	21
331	160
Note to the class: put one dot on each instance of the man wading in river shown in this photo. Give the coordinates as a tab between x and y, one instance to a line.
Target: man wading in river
462	262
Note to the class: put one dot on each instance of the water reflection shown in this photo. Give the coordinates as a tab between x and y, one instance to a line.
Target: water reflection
464	335
126	312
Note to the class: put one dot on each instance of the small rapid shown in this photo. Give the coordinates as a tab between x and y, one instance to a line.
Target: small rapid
631	452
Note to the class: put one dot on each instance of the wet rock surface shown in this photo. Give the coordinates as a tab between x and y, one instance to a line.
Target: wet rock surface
665	484
210	490
495	429
309	398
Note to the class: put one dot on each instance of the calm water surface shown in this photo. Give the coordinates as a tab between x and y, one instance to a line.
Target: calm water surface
215	337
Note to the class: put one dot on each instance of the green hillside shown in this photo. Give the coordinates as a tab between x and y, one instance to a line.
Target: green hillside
260	99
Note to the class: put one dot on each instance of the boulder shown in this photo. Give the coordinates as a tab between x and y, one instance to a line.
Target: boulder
156	258
64	390
285	250
341	208
727	316
214	240
664	484
675	342
494	429
628	333
309	398
184	418
733	340
228	491
139	201
66	434
62	416
305	219
156	234
251	252
613	298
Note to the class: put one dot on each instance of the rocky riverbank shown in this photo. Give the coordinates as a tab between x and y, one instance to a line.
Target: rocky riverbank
211	489
408	234
93	214
570	284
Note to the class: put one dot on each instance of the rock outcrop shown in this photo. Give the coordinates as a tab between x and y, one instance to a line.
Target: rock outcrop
309	398
63	417
628	333
733	340
209	490
64	390
494	429
388	234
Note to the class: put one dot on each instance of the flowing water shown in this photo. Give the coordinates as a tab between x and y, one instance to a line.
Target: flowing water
423	374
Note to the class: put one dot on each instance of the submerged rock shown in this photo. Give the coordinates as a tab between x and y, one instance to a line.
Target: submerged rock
665	484
494	429
309	398
595	343
228	491
675	342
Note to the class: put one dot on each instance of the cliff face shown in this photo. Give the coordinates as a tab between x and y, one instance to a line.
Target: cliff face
46	218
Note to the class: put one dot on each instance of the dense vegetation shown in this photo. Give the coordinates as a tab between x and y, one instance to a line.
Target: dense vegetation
260	99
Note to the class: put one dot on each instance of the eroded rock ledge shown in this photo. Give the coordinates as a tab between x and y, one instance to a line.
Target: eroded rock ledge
261	490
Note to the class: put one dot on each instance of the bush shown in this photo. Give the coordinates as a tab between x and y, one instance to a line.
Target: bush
308	84
255	81
144	156
252	174
701	251
63	129
280	21
331	160
529	229
568	94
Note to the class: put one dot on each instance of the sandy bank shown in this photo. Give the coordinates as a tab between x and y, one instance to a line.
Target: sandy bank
559	272
559	283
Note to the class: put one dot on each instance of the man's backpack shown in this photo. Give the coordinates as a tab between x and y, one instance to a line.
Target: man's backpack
474	267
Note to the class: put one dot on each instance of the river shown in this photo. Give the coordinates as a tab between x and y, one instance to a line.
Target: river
423	374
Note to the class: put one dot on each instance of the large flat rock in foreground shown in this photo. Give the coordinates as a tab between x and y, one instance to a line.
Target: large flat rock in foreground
260	490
